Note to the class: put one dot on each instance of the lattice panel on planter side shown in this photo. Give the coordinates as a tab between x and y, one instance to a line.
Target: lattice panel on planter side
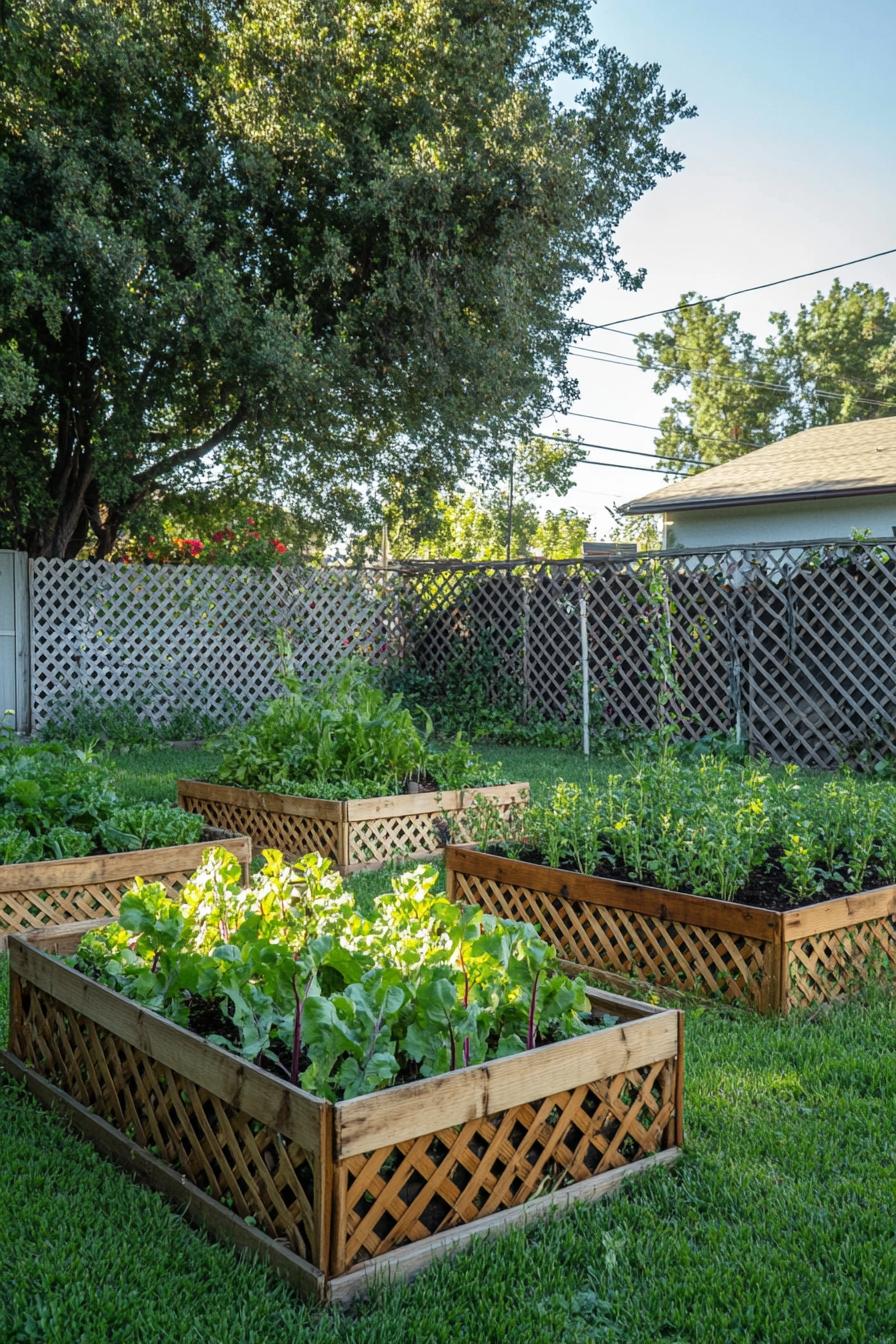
377	839
58	891
256	1171
823	966
605	937
381	838
412	1189
294	834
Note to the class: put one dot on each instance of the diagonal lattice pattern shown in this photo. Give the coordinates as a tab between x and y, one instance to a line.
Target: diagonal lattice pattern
293	833
256	1171
825	965
374	840
791	645
664	951
164	636
412	1189
97	891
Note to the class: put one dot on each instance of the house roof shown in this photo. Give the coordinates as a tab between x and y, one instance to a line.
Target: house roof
853	459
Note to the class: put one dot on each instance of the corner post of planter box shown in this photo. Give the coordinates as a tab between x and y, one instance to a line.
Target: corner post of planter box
14	1012
339	1219
245	862
772	996
449	873
678	1134
343	838
324	1191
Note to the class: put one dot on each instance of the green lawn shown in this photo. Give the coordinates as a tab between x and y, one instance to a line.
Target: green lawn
778	1225
151	772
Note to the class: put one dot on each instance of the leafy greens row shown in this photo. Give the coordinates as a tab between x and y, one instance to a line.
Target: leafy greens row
289	974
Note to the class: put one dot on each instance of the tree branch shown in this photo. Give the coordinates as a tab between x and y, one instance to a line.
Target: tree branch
151	474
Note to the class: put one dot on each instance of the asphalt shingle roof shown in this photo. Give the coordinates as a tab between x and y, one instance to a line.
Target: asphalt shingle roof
852	459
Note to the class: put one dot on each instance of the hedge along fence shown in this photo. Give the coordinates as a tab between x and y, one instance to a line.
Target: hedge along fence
358	835
789	646
763	959
340	1193
54	891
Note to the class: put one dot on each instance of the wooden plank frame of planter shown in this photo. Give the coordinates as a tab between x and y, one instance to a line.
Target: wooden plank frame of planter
764	959
332	1195
48	893
359	835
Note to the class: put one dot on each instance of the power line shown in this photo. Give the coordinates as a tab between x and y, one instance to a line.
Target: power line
629	452
628	466
749	289
682	345
638	424
627	362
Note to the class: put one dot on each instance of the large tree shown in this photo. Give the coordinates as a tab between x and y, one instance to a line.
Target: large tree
834	361
293	240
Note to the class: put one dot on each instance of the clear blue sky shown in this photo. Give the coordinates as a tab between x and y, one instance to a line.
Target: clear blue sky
790	166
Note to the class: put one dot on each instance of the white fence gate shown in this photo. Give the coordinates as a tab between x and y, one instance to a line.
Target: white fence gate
14	640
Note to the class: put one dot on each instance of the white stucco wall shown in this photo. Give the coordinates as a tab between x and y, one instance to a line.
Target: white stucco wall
809	520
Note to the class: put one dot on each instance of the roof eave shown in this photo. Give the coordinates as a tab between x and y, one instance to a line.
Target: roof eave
735	501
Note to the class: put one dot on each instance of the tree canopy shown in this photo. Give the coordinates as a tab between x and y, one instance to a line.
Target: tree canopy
834	361
487	521
295	247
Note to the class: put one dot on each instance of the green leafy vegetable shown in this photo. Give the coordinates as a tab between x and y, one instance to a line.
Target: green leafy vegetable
55	804
289	974
346	738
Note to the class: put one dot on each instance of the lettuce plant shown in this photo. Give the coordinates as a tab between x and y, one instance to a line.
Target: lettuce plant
288	973
55	804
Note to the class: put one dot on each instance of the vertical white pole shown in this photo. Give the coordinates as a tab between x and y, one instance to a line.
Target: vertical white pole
586	690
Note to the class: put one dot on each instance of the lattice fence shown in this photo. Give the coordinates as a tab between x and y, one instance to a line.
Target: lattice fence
791	646
201	637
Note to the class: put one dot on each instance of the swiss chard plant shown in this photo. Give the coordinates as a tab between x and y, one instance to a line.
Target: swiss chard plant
289	974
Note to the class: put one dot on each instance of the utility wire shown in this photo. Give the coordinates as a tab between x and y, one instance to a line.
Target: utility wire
629	452
626	362
733	293
680	345
628	466
637	424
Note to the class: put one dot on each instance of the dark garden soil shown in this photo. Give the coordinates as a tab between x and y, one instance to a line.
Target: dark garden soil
767	887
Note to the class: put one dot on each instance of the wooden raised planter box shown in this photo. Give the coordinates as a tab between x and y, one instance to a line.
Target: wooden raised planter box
358	835
44	894
331	1195
764	959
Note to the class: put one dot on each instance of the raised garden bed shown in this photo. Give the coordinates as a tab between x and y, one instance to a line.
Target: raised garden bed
38	895
358	835
333	1194
770	960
